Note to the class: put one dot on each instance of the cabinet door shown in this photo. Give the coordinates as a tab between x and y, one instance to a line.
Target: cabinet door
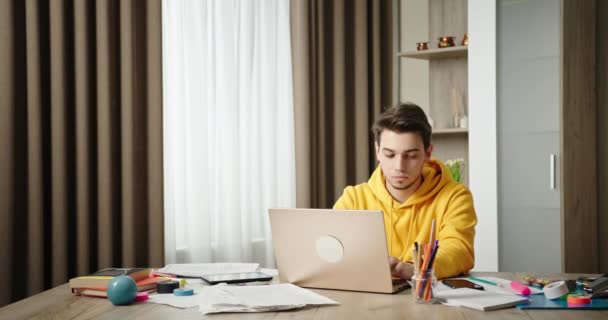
528	62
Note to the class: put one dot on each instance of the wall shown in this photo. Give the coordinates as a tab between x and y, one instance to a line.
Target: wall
414	28
482	130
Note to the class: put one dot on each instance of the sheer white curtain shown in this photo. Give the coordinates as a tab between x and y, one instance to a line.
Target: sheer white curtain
228	127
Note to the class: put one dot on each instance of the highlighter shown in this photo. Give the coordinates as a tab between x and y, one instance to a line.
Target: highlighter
520	288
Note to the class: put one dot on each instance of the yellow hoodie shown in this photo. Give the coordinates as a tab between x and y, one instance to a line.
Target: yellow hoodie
438	197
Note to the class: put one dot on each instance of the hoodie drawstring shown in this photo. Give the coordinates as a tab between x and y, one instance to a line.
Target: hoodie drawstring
409	231
391	234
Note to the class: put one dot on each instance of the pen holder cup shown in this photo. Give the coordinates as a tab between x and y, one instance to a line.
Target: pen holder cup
423	286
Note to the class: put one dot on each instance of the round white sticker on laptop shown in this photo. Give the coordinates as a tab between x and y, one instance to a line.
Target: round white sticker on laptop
330	249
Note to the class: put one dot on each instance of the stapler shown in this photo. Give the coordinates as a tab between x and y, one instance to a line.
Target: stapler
600	284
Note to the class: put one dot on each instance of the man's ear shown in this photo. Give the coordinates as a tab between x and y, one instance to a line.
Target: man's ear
377	150
428	152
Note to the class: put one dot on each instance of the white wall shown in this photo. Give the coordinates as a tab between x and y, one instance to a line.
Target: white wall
482	130
415	73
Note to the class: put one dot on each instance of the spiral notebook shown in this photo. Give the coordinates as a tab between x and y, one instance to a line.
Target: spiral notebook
479	300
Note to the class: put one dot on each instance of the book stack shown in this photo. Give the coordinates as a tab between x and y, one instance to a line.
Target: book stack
96	284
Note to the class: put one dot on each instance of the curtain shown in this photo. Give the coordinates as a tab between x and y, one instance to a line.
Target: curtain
228	127
80	140
342	72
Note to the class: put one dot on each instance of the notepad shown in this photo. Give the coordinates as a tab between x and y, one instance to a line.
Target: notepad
479	300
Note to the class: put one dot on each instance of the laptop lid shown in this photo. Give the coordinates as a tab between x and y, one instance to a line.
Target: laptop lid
332	249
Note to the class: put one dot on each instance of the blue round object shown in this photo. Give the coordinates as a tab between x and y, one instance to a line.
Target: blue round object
122	290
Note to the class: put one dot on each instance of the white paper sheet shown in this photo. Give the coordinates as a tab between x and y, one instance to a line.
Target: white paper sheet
200	269
222	298
478	300
182	302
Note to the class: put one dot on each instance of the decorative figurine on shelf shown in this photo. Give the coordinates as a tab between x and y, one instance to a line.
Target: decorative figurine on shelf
455	109
446	42
455	166
422	46
465	40
464	121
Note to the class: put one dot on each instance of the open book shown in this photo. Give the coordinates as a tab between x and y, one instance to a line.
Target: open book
479	300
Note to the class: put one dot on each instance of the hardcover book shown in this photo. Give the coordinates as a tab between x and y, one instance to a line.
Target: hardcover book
101	278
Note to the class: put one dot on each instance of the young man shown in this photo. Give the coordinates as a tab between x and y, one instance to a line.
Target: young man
413	190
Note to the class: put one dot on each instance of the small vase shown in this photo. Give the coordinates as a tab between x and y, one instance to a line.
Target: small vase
464	122
456	121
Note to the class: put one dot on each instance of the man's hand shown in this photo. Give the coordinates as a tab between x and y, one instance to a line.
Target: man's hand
401	269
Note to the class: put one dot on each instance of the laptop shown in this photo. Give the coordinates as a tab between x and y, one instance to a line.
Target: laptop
333	249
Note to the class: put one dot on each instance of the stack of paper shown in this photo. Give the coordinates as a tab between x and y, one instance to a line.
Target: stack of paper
200	269
277	297
479	300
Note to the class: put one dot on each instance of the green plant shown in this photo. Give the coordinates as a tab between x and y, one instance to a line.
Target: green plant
455	166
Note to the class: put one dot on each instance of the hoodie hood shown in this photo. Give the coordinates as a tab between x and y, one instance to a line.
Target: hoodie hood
436	175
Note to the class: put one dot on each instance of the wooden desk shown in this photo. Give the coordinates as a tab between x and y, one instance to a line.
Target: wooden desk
59	303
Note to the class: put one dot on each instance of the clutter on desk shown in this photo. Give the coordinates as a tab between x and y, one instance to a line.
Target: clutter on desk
556	290
177	301
122	290
573	301
479	300
143	285
555	294
188	294
505	286
167	287
536	281
424	280
182	270
276	297
101	278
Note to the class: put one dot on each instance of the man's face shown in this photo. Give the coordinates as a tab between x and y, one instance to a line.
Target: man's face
401	157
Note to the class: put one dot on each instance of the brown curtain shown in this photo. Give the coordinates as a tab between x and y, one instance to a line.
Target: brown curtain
342	56
80	140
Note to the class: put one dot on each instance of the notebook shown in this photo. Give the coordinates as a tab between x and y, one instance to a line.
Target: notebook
479	300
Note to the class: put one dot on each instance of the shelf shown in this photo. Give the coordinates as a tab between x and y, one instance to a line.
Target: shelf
443	53
450	131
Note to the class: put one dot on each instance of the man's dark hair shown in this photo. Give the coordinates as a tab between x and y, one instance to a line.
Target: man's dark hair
404	117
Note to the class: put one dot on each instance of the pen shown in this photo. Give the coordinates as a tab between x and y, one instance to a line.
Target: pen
516	286
484	281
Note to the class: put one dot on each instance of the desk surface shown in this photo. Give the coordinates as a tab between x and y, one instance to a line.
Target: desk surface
59	303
